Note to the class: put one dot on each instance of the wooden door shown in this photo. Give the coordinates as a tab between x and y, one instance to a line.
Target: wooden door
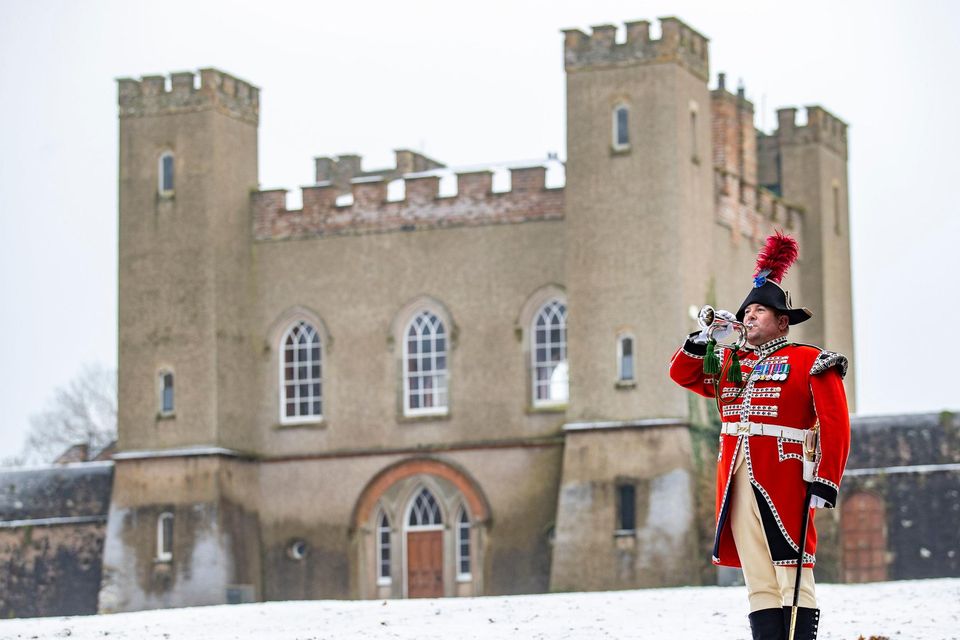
864	535
425	564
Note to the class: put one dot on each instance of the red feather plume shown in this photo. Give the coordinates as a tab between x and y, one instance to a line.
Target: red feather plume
778	254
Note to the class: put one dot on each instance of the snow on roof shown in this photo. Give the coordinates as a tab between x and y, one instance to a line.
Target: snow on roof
47	522
363	179
914	468
902	420
175	453
69	490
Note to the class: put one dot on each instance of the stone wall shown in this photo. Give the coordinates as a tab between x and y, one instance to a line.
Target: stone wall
52	528
912	463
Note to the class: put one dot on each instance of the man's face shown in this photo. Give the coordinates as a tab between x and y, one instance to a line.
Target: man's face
763	324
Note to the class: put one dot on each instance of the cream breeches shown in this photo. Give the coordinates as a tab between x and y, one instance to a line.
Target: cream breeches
768	586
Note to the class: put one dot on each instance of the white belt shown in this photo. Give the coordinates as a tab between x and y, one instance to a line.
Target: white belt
757	429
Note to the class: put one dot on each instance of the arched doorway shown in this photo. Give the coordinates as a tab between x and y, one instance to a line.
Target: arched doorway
863	528
420	528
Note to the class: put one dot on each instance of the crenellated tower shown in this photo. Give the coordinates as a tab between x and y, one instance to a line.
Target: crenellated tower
181	529
807	165
639	200
639	184
188	160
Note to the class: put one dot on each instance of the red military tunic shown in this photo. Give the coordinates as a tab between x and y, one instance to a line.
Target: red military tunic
794	385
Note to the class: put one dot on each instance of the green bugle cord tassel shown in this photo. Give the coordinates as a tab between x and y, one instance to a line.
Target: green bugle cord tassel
733	374
711	363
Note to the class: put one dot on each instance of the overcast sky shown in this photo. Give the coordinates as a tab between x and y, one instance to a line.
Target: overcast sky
467	83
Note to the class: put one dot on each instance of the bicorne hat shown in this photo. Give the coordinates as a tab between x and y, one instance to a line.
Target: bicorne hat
777	255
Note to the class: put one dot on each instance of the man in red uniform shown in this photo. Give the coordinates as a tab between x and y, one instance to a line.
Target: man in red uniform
790	393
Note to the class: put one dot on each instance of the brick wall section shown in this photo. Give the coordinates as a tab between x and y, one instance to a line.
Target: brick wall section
422	208
753	211
747	208
52	528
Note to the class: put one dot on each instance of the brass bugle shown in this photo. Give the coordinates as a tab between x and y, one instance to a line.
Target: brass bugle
709	320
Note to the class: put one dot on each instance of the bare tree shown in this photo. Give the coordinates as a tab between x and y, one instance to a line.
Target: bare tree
82	412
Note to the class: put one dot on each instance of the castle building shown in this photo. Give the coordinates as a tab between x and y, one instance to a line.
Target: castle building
396	391
419	384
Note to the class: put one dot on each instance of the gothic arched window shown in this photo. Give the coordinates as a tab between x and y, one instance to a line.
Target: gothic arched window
550	385
425	510
301	386
463	545
383	549
425	365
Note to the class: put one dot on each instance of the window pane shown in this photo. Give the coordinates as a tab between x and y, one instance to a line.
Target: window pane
166	544
627	371
167	183
626	503
623	136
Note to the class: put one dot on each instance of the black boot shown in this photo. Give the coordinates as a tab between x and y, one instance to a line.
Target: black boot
767	624
808	620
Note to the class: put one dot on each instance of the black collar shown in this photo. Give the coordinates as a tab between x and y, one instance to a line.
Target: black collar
769	347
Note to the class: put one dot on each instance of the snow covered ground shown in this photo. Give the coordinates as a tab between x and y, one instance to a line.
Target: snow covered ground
921	610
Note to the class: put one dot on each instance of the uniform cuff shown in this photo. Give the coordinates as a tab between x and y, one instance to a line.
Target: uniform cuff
825	490
694	349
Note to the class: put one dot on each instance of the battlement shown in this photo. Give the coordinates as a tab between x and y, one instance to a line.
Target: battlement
410	202
185	92
678	43
341	170
732	131
822	127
